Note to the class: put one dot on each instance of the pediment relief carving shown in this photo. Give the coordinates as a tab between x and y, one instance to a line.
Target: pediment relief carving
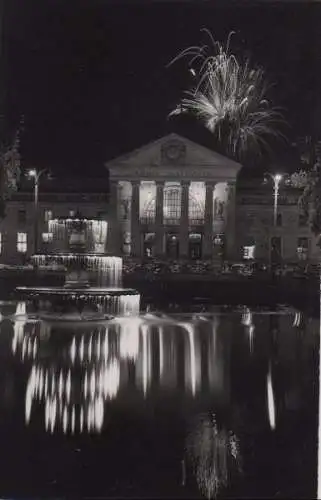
173	152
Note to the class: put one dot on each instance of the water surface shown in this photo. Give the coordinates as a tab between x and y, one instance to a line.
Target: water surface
218	403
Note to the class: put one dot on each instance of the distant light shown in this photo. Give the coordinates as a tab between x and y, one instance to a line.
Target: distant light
278	177
32	172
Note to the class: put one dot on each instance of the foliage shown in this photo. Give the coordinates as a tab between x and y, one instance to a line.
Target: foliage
9	171
299	179
230	99
310	200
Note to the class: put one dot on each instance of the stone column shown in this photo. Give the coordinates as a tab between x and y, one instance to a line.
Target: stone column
159	219
135	222
208	222
114	223
184	223
230	222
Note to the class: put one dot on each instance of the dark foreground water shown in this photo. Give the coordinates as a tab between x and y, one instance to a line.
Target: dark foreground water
185	405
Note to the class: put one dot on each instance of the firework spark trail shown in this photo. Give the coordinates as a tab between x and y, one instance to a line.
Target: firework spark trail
229	97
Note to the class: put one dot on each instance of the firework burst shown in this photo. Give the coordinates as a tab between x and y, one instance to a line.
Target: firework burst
230	99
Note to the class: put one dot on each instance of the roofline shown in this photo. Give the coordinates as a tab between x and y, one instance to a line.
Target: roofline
172	135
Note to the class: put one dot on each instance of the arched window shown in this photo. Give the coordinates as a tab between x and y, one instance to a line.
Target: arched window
149	212
195	211
172	208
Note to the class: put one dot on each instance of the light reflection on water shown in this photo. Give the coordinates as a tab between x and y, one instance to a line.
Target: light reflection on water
245	368
214	454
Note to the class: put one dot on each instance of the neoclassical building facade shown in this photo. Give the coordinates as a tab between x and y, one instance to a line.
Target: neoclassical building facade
173	198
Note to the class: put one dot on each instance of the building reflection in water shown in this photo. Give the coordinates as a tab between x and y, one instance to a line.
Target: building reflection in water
76	373
214	455
192	358
247	322
217	359
74	381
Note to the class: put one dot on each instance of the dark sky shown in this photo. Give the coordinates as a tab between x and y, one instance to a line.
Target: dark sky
91	78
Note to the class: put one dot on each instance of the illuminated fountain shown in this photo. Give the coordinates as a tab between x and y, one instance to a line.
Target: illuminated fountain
92	288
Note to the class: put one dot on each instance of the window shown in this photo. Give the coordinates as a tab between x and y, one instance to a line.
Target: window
249	252
149	242
195	246
22	242
303	248
172	205
47	237
22	216
195	211
48	215
276	249
279	220
303	219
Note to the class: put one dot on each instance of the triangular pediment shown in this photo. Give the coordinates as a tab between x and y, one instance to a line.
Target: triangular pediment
173	150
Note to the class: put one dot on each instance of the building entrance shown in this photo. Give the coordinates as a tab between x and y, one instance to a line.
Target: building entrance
172	246
276	250
195	246
149	244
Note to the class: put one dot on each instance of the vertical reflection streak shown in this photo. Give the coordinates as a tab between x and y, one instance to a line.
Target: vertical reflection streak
144	330
190	329
270	400
161	350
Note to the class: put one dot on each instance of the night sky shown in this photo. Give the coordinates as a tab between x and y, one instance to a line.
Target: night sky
91	80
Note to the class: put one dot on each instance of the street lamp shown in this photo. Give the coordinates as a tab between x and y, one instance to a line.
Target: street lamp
36	175
276	178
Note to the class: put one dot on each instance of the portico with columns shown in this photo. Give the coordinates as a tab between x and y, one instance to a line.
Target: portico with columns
173	199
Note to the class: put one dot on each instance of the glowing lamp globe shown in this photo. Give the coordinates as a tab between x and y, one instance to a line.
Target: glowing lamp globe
32	173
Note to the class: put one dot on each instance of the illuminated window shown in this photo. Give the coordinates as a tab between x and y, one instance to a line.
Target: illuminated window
172	205
47	237
195	211
48	215
303	248
249	252
22	242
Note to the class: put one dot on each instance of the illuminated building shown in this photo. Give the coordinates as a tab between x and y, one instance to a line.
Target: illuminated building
170	199
173	198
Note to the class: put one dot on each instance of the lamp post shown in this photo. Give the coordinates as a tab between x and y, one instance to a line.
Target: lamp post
276	178
36	175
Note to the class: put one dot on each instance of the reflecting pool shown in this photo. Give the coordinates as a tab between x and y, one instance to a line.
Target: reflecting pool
214	403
